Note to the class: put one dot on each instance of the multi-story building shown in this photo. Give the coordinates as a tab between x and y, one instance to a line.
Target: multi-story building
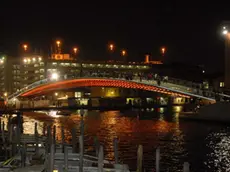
17	73
32	69
3	73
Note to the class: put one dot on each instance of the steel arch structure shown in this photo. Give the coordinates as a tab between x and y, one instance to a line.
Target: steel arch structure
98	82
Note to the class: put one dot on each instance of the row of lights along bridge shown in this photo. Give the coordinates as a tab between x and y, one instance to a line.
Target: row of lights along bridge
75	50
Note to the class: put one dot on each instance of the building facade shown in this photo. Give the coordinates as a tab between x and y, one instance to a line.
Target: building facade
18	73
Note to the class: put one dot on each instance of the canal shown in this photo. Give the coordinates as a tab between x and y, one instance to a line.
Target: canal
205	146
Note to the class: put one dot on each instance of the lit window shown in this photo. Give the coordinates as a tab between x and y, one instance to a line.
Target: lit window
221	84
78	94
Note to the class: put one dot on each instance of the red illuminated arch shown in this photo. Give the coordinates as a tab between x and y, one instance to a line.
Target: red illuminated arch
67	84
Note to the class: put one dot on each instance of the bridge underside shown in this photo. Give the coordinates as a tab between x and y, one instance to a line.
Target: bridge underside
68	84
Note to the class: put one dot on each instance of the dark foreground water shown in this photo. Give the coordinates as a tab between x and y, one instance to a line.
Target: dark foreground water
206	146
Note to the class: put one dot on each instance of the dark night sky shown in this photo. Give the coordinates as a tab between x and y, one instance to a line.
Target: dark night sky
189	32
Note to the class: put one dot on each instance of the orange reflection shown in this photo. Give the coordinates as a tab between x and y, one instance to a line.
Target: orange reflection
106	126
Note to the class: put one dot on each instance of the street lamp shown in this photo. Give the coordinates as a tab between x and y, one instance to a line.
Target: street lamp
25	47
111	47
54	76
58	46
75	50
58	43
123	52
163	49
225	32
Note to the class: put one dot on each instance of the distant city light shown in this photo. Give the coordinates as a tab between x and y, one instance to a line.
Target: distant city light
203	71
34	59
54	76
5	94
39	58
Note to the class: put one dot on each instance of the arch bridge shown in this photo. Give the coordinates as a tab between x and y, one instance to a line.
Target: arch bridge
63	82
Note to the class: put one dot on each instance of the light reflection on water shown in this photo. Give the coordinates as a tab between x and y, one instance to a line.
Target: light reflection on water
179	141
219	157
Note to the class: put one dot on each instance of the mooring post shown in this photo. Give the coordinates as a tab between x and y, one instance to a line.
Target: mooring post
74	141
139	158
158	160
14	139
100	159
51	158
8	127
11	140
82	126
115	143
81	149
3	133
66	157
49	139
36	138
23	155
0	125
4	140
54	137
63	138
19	129
186	167
97	145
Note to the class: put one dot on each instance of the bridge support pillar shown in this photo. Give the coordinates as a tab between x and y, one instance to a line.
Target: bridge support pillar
170	101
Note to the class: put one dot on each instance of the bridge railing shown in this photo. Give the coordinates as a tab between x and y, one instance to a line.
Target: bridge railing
182	89
27	88
170	84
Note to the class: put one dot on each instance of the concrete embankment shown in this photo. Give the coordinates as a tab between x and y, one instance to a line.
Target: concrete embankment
218	112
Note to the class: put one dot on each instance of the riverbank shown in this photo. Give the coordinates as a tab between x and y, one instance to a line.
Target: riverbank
218	112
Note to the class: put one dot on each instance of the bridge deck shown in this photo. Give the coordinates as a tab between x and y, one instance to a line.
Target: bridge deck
169	86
